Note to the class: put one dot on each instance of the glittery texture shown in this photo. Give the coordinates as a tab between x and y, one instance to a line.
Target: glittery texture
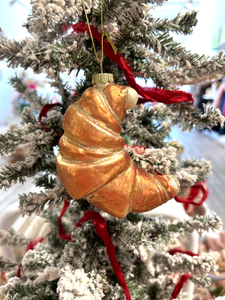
102	77
93	164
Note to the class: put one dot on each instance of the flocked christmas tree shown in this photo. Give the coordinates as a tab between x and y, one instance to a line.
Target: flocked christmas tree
76	266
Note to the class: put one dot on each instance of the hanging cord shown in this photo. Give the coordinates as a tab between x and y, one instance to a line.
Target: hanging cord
103	34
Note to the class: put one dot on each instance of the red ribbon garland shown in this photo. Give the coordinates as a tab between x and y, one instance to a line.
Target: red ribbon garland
62	232
44	112
147	94
45	109
179	286
30	246
178	250
194	191
184	277
102	232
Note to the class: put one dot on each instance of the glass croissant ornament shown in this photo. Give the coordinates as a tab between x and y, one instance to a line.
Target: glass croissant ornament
93	163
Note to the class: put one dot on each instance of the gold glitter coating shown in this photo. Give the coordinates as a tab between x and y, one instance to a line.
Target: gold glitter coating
93	164
114	93
102	78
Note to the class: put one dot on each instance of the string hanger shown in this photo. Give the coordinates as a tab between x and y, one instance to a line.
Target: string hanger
104	34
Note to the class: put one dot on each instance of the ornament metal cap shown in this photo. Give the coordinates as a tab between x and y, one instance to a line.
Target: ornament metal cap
102	77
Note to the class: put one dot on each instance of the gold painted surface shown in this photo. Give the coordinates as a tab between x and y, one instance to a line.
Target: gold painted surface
80	128
115	95
93	104
102	77
92	163
114	198
169	183
131	98
69	149
82	179
148	194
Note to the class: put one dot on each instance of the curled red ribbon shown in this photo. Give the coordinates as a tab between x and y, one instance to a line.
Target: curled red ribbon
102	232
194	192
62	232
179	286
184	277
30	246
147	94
44	112
178	250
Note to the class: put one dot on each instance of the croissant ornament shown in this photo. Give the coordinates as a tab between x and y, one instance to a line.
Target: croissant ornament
93	163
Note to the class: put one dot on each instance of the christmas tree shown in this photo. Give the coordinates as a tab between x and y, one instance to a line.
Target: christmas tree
82	263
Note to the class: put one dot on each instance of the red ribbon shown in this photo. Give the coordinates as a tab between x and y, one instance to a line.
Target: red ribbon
183	278
102	232
44	112
30	246
194	192
62	232
178	250
179	286
147	94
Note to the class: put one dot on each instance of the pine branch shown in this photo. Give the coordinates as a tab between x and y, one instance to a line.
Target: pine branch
135	29
18	136
36	202
64	91
183	263
178	77
182	24
33	53
198	223
129	236
200	168
16	290
40	144
149	127
191	116
190	171
18	172
13	239
74	284
47	17
17	82
54	123
113	9
46	180
150	160
192	65
38	259
31	135
135	26
7	265
156	71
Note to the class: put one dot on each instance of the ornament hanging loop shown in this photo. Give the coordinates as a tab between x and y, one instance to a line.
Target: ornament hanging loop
101	67
102	40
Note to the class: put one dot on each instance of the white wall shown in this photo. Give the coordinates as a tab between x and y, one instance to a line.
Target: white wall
211	18
11	20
